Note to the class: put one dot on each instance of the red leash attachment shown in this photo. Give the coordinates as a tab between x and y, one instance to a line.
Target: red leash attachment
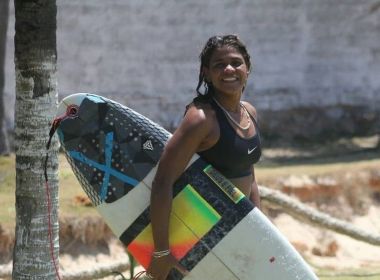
71	112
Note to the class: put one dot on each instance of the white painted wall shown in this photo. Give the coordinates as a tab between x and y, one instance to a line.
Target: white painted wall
306	53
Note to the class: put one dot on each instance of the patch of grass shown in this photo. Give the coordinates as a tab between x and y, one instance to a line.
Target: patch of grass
7	191
265	171
69	188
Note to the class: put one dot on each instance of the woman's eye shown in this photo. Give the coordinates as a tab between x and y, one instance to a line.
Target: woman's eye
220	65
236	63
223	65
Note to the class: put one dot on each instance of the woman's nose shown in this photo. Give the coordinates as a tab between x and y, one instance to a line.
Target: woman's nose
229	68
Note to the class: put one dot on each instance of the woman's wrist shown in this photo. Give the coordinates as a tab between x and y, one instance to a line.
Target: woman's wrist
161	253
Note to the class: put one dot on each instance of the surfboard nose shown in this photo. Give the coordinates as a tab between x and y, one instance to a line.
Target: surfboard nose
73	99
81	114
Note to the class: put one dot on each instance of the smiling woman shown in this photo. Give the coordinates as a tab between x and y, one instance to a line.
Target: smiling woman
217	125
214	231
227	71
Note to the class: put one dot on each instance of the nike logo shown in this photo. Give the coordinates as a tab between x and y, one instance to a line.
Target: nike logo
250	151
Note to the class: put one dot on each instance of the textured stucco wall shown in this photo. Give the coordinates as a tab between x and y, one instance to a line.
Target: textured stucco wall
316	63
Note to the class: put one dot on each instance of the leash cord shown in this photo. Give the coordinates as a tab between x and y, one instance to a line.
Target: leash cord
49	206
70	112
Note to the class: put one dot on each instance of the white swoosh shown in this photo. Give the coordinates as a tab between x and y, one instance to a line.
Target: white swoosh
250	151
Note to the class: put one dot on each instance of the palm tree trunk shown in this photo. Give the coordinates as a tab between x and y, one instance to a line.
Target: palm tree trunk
36	101
4	13
314	217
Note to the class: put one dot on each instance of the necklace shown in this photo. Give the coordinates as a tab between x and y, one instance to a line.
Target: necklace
232	119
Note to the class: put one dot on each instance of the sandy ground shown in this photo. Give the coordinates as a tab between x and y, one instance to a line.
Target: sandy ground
345	253
321	248
315	244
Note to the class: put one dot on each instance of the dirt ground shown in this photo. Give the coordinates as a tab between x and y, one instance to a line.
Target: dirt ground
322	249
351	193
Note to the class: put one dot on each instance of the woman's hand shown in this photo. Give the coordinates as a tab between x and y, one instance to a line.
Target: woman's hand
159	268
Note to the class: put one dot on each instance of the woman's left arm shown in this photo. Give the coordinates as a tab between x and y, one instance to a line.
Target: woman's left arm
255	195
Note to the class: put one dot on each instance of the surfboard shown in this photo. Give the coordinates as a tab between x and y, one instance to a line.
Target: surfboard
215	231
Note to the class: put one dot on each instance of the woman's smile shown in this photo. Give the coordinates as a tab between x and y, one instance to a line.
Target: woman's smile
230	79
227	71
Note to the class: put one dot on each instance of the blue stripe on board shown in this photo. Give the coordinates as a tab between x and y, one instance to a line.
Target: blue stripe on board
122	177
106	168
108	156
95	98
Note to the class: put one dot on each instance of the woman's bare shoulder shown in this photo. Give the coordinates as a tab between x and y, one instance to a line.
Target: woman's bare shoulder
199	114
251	109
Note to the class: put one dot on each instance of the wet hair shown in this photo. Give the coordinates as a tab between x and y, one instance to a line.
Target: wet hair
213	44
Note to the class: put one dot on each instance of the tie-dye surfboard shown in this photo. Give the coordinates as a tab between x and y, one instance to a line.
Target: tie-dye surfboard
215	232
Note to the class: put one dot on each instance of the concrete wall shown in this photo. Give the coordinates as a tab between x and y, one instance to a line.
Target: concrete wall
316	62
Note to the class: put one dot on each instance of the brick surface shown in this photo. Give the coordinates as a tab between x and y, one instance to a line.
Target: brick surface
305	54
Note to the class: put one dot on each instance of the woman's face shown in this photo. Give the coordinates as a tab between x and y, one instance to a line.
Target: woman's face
227	71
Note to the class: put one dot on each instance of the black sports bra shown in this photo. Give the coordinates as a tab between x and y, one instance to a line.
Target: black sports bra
232	155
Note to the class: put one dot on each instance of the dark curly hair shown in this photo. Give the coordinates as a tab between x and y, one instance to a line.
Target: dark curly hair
212	44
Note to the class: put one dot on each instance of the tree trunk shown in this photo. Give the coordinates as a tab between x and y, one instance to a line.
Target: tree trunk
312	216
4	12
36	102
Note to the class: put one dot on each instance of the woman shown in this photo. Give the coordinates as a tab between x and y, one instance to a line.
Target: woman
220	128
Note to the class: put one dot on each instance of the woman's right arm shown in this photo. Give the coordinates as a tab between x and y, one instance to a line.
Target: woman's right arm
184	143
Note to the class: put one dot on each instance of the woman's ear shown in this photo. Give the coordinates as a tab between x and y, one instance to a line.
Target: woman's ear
206	75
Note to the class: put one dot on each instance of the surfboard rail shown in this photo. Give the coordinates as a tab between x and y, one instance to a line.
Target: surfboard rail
215	231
